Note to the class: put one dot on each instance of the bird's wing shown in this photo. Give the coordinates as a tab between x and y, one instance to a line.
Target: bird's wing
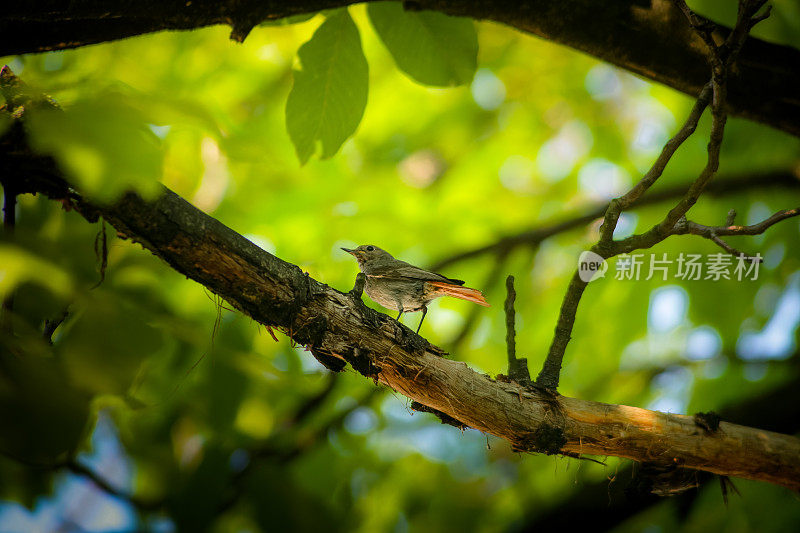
402	270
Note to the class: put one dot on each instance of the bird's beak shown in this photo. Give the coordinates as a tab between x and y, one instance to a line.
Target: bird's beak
349	251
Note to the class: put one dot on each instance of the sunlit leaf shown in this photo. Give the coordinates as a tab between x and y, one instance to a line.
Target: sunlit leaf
330	91
432	48
18	266
237	432
103	144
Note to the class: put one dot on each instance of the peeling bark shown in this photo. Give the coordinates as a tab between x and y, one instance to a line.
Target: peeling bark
278	294
338	325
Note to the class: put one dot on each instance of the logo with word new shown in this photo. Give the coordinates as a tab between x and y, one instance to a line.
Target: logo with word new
591	266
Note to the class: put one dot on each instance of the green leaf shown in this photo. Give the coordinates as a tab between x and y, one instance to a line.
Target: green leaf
432	48
18	266
103	349
330	92
44	416
103	145
5	122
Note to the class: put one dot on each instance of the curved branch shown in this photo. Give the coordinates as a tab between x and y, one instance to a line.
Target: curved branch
103	484
754	229
605	504
722	59
713	233
333	324
278	294
649	38
532	237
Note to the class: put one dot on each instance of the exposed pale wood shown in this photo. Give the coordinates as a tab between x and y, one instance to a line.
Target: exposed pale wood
333	323
336	325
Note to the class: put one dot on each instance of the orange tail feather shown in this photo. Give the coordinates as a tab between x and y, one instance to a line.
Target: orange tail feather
457	291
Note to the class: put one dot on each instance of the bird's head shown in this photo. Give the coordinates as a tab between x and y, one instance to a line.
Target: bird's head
369	254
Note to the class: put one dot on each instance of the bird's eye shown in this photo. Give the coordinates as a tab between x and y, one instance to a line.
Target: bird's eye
370	248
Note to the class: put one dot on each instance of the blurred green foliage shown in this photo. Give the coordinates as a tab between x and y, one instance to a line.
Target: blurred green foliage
103	145
230	430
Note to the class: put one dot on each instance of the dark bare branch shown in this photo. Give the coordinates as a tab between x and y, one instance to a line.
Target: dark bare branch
533	237
756	229
82	470
650	38
551	368
280	295
618	205
517	366
721	59
714	233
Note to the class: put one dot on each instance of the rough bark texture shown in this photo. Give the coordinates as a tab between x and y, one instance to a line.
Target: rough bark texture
648	37
338	325
605	504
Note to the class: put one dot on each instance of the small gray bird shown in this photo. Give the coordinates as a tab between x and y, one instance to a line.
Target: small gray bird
405	288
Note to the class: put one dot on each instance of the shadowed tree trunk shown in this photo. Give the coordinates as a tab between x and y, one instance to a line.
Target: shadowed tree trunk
647	37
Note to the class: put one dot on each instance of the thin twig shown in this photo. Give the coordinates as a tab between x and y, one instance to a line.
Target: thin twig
616	206
713	233
759	228
551	369
703	27
511	316
721	59
82	470
534	236
517	367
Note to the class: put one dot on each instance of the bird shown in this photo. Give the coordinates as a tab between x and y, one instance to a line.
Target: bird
403	287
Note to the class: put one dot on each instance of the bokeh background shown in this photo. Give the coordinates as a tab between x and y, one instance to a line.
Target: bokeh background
197	418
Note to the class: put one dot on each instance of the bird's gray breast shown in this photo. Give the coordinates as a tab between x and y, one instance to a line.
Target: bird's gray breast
396	293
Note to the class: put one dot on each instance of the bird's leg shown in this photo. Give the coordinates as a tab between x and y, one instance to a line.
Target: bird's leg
424	312
400	314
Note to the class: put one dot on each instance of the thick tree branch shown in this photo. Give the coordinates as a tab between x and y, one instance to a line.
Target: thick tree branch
280	295
647	37
603	505
338	325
